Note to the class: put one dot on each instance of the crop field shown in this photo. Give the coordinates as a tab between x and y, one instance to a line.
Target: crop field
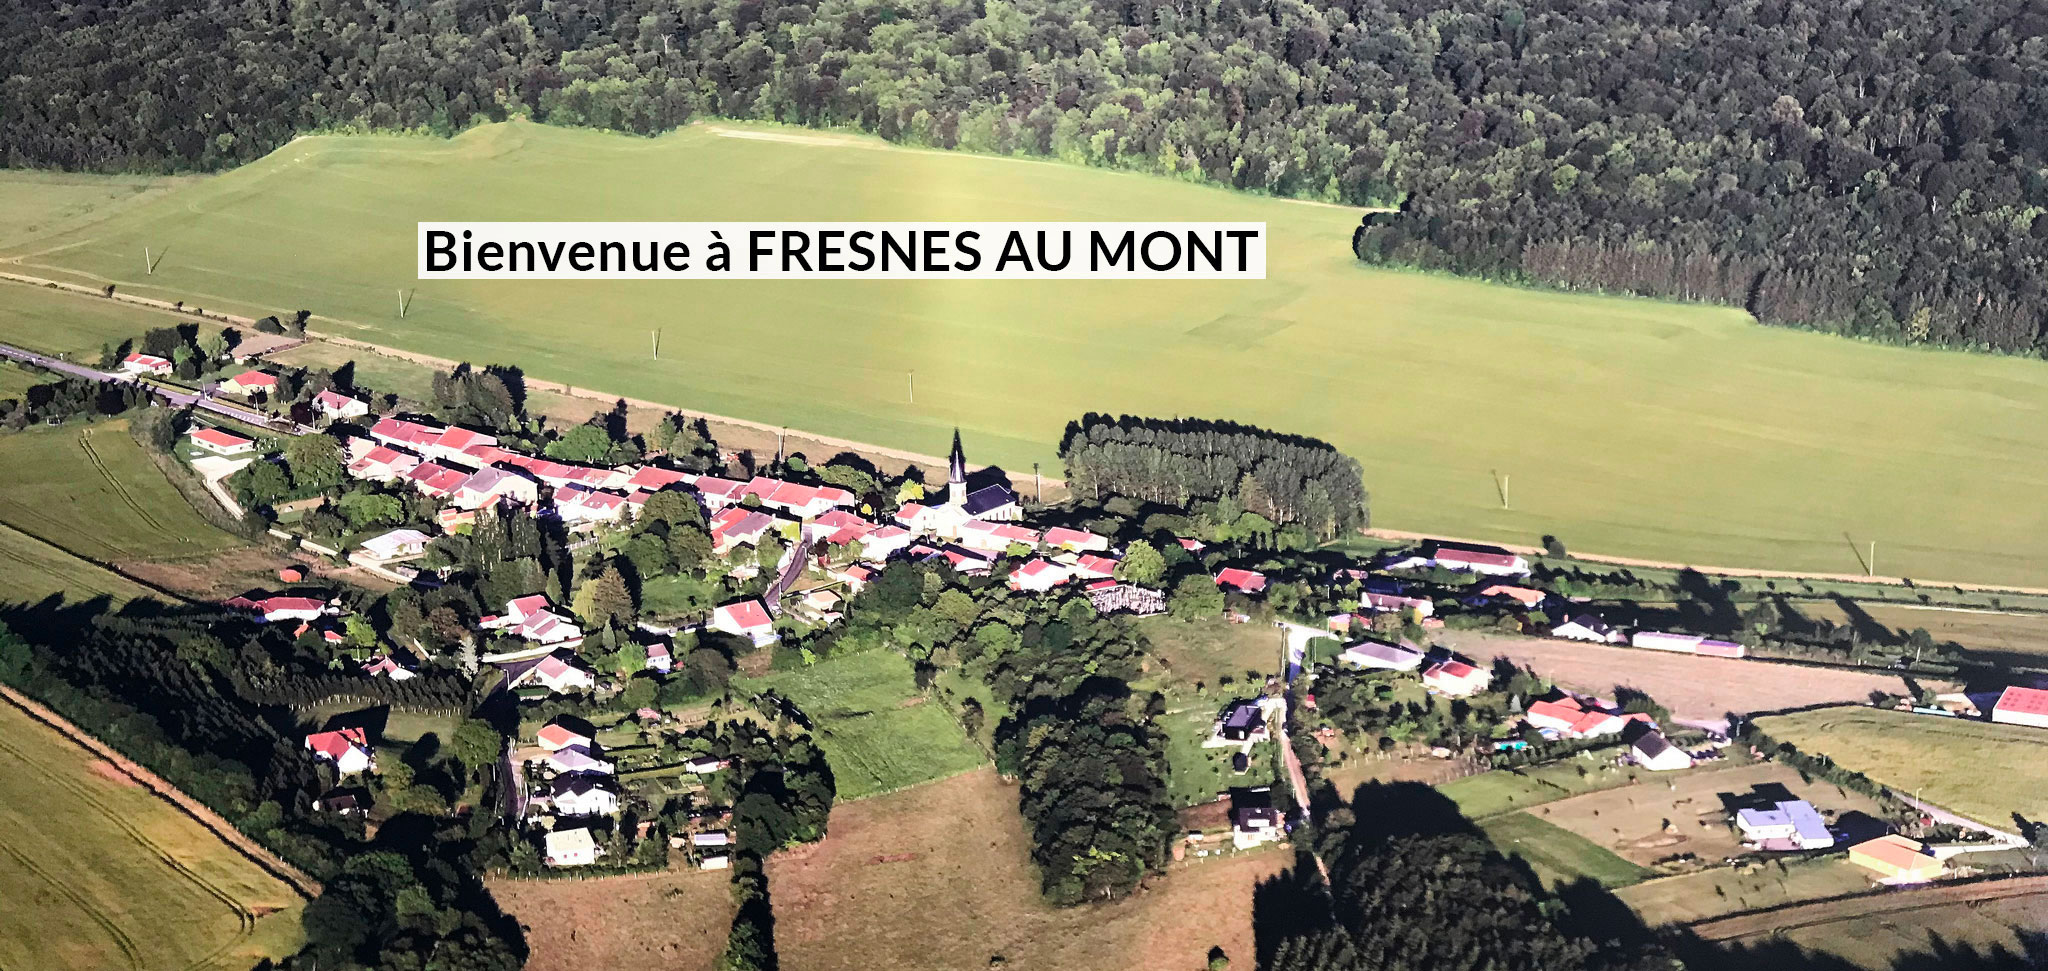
939	877
31	570
91	490
1745	887
2011	637
1694	688
55	322
879	733
1970	934
1984	771
1669	813
1769	444
1557	855
1503	791
98	873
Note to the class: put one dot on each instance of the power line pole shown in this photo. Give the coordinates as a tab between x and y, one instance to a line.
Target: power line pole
404	299
655	336
1873	557
913	387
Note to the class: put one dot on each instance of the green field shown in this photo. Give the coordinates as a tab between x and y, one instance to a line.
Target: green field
50	202
1637	427
878	732
1984	771
1504	791
93	491
100	874
31	570
1557	855
58	322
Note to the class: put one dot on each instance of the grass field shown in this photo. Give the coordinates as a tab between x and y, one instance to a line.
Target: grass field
1557	855
1750	886
91	490
31	570
1984	771
51	202
1967	935
878	732
1712	439
58	323
1504	791
939	877
97	873
675	920
1666	814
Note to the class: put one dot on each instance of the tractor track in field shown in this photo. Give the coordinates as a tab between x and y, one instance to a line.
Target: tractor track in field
127	498
85	906
245	919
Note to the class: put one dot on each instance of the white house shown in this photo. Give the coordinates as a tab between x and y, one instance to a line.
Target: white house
1253	819
335	406
145	364
582	794
1586	627
712	838
1463	557
531	618
658	658
572	847
250	383
1572	718
222	443
396	543
1039	575
1456	679
745	618
384	666
1652	751
1076	540
560	674
348	748
704	764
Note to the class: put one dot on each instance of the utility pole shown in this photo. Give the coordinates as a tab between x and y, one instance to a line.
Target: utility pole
1037	485
913	387
1873	557
1500	485
404	299
655	336
148	265
779	433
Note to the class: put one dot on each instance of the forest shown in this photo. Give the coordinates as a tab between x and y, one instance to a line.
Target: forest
1874	171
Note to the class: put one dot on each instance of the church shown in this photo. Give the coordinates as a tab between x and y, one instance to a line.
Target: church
990	503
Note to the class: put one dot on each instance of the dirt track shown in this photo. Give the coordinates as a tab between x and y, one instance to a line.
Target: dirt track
1817	913
191	807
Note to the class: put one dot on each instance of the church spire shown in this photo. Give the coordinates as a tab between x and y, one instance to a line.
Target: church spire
956	473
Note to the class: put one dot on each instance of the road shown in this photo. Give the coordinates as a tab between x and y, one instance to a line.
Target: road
180	399
1940	815
1293	647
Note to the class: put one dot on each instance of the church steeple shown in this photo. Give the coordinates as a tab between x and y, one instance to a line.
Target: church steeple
956	473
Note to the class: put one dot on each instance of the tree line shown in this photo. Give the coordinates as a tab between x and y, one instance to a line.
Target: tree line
1285	479
1874	172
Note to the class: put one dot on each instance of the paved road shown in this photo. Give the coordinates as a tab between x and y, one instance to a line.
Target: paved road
179	399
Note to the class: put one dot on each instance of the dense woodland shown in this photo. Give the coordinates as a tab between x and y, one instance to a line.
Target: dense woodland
1283	478
1874	170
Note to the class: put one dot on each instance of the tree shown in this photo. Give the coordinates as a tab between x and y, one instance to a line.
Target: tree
363	509
475	744
605	601
1142	564
315	462
972	717
587	444
1196	597
265	483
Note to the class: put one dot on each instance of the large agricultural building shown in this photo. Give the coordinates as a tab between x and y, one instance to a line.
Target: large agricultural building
2022	706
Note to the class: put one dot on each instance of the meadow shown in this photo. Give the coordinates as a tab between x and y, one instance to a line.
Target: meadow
32	570
878	732
1557	855
100	874
93	491
1639	427
1980	770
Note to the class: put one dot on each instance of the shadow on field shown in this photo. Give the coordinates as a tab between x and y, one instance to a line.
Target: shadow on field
1939	954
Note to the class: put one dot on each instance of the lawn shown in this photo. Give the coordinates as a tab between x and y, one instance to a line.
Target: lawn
60	323
1694	433
1204	651
98	873
48	202
1559	856
879	733
1196	774
939	877
1749	886
93	491
1984	771
1504	791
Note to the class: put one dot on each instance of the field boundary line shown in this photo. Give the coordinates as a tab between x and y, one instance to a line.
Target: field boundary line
1919	898
271	863
167	596
935	461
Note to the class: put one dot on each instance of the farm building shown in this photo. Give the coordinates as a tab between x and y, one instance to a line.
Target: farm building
1653	751
1456	679
1685	644
2022	706
145	364
1381	655
1241	723
1385	602
745	618
1076	540
396	543
1464	558
1586	627
1896	859
222	443
572	847
1788	825
556	736
1248	581
704	764
1526	596
348	748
